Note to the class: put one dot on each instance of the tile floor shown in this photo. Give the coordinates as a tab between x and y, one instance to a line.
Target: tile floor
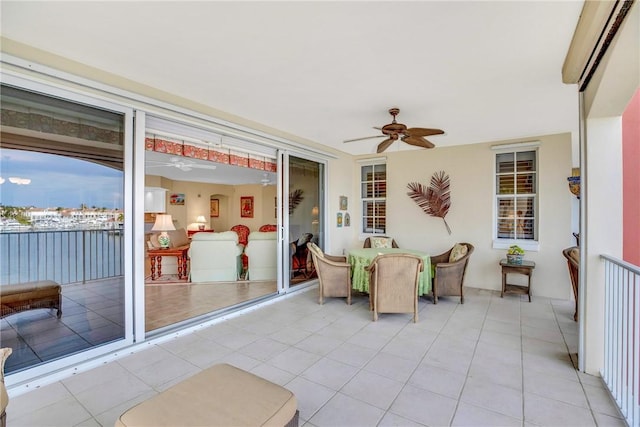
92	314
489	362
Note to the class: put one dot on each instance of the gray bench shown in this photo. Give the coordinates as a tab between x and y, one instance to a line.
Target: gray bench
30	296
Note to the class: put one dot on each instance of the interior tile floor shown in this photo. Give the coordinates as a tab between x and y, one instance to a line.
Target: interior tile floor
489	362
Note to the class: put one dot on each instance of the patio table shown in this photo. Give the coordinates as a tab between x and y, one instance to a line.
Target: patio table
360	258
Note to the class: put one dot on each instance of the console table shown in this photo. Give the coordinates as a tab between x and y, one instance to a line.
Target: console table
526	268
155	255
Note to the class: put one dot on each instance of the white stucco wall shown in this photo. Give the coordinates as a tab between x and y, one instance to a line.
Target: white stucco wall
470	168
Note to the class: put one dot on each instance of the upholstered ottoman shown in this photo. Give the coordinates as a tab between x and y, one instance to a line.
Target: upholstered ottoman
222	395
29	296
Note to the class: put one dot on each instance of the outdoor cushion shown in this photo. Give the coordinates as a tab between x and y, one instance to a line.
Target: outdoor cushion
457	252
380	242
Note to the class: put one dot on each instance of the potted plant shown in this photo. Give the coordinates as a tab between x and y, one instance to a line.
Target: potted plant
515	254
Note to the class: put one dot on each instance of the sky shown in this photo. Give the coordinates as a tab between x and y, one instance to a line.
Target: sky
51	181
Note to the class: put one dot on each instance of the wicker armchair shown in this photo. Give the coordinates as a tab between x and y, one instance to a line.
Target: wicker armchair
448	277
367	242
4	397
572	255
393	287
334	274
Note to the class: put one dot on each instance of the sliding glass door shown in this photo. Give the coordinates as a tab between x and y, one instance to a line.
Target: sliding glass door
305	189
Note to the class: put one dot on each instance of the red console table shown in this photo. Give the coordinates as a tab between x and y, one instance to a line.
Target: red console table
155	255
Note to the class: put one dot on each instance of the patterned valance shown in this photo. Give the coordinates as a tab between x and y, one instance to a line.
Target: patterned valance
223	155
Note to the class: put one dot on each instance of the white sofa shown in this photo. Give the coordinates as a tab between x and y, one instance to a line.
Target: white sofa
263	255
215	257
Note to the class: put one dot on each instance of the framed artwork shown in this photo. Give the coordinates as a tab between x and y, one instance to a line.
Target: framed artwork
176	199
246	207
339	220
347	220
344	203
215	208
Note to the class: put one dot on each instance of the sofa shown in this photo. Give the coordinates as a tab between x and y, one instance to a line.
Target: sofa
177	238
215	257
262	255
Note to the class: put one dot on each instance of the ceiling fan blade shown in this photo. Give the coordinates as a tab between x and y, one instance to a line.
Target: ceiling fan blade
385	144
361	139
196	165
423	132
418	141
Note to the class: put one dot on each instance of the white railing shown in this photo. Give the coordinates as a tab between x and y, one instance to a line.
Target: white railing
621	371
64	256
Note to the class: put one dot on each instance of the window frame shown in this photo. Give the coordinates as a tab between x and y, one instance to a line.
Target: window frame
372	163
504	243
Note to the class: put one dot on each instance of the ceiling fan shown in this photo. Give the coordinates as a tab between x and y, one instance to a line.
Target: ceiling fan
265	180
181	163
394	130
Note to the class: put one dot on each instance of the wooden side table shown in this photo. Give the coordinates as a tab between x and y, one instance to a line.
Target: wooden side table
155	255
526	268
190	233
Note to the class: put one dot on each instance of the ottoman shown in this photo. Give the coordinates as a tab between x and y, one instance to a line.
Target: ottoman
30	296
221	395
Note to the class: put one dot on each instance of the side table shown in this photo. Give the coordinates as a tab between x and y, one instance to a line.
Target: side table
526	268
155	255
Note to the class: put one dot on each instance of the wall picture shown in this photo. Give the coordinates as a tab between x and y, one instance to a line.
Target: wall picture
344	203
347	220
246	207
176	199
215	208
339	220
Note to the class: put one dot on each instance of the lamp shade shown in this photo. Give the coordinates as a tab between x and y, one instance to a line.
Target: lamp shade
163	223
201	218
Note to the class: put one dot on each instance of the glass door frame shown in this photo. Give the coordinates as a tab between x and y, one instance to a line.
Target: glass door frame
284	260
127	112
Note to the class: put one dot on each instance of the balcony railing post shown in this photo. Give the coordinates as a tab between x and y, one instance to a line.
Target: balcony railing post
621	368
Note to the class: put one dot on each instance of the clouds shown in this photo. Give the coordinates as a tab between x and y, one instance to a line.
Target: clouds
49	180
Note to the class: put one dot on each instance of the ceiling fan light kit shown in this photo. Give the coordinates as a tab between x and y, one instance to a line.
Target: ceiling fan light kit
182	163
394	131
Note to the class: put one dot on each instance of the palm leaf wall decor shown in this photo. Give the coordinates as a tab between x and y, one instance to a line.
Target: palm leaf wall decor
434	200
295	197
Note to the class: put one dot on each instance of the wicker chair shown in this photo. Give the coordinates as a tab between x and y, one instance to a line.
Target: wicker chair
367	242
4	397
393	287
334	274
572	255
448	277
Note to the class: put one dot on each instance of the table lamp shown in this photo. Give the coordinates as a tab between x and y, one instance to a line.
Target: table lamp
163	224
201	222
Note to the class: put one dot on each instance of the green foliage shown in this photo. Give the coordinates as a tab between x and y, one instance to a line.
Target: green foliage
515	250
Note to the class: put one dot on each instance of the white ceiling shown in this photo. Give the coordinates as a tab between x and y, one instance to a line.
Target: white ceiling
329	71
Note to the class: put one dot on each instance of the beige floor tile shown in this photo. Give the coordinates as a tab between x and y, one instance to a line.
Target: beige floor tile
391	366
495	397
548	412
556	388
438	380
330	373
423	406
468	415
373	389
310	396
343	410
